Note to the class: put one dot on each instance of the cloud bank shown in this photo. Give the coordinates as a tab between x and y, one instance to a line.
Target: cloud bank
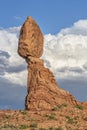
12	66
64	53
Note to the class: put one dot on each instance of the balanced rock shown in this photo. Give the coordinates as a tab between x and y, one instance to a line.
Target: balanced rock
31	39
43	93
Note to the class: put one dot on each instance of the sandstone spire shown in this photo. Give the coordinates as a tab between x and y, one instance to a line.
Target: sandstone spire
43	93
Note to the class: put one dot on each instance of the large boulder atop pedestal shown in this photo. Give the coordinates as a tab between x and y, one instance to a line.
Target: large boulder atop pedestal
43	93
31	39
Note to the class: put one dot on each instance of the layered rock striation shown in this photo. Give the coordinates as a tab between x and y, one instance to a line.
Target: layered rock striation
43	93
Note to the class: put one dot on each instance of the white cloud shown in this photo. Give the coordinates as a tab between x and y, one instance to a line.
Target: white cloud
81	24
9	44
17	77
67	49
78	28
64	53
17	17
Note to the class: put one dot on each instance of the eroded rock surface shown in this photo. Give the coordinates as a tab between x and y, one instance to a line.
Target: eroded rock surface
43	91
31	39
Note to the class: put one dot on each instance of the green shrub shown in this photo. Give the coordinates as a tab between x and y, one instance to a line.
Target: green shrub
85	118
24	126
42	129
59	106
75	118
33	125
24	112
51	128
51	116
31	119
79	107
70	120
59	128
64	104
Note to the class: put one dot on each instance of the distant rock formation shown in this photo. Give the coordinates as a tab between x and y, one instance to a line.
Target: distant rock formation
43	93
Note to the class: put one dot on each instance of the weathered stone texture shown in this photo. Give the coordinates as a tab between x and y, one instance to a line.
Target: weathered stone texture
31	39
43	93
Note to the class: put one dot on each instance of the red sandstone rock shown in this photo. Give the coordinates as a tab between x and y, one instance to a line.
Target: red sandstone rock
43	91
31	39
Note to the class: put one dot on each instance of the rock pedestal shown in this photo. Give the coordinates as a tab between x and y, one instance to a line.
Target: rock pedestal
43	93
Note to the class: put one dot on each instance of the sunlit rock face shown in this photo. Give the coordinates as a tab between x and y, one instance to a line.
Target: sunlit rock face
43	93
31	39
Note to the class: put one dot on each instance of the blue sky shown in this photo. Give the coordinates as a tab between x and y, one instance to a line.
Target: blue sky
51	15
64	25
